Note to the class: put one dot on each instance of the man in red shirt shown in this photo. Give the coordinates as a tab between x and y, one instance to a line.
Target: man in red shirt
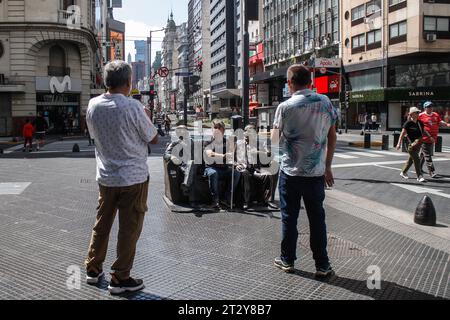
28	131
432	121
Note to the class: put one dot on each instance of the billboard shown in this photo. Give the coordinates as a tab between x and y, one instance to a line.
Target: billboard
117	40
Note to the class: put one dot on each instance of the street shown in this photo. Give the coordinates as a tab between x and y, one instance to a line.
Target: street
48	210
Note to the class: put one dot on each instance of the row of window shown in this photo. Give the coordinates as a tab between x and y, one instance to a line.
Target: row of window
372	40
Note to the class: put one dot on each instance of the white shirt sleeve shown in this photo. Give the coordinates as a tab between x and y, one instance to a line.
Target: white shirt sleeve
278	121
147	129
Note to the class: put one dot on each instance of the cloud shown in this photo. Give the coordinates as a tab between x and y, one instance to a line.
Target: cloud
138	30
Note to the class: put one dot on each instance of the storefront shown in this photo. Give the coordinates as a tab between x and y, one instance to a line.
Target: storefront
62	112
364	103
5	114
400	100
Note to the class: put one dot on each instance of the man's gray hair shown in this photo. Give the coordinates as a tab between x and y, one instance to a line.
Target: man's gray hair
117	74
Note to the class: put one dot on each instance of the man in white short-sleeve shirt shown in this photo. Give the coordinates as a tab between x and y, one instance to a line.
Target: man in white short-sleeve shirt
122	132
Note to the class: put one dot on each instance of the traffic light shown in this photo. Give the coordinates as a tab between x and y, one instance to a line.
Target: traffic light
193	83
152	91
200	66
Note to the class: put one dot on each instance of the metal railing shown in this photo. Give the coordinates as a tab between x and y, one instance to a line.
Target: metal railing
58	71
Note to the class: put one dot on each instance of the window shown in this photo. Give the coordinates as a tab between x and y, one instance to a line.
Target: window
437	24
359	42
373	6
358	13
395	2
398	30
373	37
57	62
395	5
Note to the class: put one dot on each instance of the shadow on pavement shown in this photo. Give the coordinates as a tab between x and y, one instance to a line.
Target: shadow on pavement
373	181
388	291
140	295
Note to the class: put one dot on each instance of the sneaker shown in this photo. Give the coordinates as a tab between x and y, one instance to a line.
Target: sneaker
404	175
117	286
421	179
286	267
93	277
433	174
324	272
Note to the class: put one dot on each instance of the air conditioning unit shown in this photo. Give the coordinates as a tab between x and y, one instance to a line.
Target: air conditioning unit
431	37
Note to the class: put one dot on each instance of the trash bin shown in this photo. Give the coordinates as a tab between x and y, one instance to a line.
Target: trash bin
367	141
385	145
237	122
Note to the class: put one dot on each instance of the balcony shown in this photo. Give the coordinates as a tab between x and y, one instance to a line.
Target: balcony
66	17
8	85
58	71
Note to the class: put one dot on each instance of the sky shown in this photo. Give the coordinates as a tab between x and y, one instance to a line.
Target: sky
141	16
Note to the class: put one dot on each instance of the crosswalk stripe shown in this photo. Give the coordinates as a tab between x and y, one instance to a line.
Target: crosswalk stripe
366	154
344	156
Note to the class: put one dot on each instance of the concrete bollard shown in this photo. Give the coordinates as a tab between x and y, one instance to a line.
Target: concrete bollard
425	213
385	145
438	145
367	141
76	148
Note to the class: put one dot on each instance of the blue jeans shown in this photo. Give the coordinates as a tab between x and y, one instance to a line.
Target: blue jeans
312	190
218	174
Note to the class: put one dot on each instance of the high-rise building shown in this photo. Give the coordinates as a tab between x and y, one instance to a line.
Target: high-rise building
200	50
225	55
395	55
300	31
138	73
129	59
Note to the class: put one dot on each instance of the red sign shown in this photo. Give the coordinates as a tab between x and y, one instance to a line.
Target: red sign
328	84
163	72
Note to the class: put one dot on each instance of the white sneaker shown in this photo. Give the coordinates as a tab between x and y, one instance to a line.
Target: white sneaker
421	179
404	175
433	174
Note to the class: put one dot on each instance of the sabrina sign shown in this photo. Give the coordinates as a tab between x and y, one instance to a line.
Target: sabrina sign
421	94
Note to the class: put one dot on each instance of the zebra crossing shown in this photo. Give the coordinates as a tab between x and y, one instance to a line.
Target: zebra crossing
348	153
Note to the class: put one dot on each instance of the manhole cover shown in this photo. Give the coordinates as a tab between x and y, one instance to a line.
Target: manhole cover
338	247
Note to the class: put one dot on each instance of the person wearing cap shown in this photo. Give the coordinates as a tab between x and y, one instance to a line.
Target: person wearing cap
414	130
432	122
256	180
218	153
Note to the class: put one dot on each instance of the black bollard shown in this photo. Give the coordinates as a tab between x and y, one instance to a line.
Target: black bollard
367	142
425	213
438	145
385	145
1	151
76	148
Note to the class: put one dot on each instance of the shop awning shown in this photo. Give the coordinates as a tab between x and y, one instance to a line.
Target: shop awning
263	76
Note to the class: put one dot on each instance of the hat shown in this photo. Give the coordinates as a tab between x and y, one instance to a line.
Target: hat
428	104
414	110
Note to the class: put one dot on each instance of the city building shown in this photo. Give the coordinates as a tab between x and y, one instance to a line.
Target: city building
142	47
300	31
200	51
138	73
167	86
225	25
49	62
396	55
178	86
129	60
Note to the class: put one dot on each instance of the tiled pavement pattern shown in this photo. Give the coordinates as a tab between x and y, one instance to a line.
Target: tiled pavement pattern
46	229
